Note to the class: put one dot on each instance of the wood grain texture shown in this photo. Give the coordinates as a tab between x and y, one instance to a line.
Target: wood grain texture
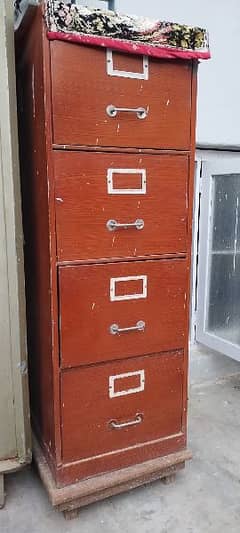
81	94
86	312
88	409
84	205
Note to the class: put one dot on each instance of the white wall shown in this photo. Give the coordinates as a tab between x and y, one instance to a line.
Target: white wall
219	78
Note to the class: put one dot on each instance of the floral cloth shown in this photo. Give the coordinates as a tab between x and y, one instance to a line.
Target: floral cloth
68	21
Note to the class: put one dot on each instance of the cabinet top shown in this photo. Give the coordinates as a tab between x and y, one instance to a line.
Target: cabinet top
136	35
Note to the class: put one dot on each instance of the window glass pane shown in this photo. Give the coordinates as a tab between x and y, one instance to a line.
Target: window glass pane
226	209
224	261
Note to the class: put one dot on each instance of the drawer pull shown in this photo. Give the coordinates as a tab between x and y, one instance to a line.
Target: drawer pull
113	224
115	329
120	425
112	111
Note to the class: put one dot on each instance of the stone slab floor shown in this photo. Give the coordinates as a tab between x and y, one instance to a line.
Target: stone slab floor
204	499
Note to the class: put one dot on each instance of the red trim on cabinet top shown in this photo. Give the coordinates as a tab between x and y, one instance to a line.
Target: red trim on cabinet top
128	47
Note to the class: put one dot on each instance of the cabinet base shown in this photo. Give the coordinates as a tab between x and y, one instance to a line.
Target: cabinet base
70	498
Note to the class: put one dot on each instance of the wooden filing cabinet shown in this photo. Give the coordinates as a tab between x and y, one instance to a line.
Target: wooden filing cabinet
107	198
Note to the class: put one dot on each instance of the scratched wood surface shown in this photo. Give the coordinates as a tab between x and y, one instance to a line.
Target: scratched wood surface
88	409
81	94
87	312
84	204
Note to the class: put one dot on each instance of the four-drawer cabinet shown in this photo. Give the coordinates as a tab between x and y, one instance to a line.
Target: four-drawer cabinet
107	156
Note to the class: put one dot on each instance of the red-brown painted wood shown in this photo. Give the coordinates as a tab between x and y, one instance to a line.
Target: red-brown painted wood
82	90
161	461
88	410
37	229
84	205
86	312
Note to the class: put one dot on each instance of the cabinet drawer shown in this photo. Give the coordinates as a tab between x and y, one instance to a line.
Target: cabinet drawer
98	301
82	90
121	404
94	189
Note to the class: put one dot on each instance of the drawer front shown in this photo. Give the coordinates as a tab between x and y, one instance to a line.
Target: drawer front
98	301
94	189
121	404
82	90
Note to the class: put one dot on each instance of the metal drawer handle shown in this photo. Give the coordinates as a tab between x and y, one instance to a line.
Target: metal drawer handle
115	329
119	425
113	224
112	111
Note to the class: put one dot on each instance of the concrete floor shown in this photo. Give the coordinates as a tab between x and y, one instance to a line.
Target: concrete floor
204	498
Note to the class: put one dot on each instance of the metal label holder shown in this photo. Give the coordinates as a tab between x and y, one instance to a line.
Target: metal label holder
110	184
133	390
122	297
111	71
